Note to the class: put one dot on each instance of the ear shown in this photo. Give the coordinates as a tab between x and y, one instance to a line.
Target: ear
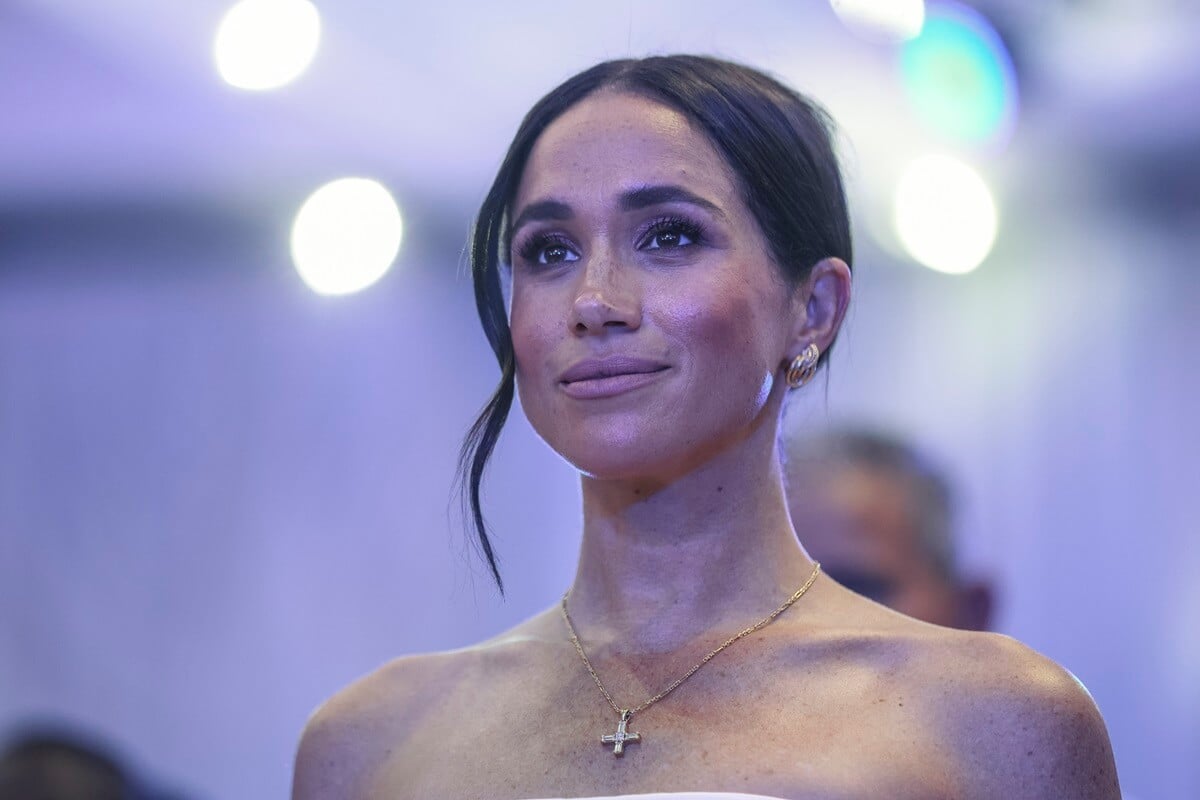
819	305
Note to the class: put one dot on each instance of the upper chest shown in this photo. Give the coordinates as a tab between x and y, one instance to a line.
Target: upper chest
537	731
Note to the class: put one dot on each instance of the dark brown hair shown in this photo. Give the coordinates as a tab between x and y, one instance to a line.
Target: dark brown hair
778	144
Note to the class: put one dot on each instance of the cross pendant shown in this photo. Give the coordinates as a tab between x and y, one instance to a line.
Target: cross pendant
618	739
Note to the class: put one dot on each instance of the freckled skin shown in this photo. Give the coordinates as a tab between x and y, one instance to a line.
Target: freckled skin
687	540
718	315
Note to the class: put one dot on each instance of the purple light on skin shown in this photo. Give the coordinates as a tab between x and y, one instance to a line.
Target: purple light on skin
764	391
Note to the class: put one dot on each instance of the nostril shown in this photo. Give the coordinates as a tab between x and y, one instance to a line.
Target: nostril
594	311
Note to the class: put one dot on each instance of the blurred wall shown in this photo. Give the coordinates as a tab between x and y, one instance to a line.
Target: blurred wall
222	497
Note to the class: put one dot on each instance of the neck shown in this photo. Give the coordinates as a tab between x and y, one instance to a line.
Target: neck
710	551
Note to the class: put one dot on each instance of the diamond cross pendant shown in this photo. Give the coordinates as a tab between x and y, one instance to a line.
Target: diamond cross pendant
618	739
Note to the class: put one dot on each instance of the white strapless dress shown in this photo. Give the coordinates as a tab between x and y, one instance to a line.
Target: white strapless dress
675	796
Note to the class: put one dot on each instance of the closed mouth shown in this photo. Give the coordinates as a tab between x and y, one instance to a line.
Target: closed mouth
599	378
612	367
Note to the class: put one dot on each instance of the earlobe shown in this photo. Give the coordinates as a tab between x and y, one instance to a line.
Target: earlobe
825	295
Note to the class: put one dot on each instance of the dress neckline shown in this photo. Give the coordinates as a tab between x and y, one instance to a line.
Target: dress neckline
676	796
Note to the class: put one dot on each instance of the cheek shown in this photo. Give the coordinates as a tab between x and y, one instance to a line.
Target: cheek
535	335
725	329
528	330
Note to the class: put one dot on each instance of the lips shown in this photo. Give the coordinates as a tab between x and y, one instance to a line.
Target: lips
596	368
604	377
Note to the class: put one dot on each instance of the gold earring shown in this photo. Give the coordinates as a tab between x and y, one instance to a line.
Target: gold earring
803	367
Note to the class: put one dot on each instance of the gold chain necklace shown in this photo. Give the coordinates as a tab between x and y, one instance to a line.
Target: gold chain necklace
622	736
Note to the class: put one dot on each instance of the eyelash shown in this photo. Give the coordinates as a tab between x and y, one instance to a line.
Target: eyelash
676	225
534	246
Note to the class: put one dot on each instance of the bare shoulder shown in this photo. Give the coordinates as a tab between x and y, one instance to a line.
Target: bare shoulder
352	732
1004	720
1018	723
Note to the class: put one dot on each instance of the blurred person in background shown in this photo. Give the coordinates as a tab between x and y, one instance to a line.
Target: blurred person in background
55	763
878	515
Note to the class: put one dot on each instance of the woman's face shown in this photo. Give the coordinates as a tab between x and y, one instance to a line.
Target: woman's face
649	322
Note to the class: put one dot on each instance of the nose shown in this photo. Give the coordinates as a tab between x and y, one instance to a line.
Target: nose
607	297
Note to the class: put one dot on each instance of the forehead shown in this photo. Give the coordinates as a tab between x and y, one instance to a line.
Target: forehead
612	141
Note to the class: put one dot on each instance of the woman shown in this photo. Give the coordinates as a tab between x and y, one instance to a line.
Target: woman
678	243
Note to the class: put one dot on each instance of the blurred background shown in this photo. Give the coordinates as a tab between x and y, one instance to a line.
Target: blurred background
228	433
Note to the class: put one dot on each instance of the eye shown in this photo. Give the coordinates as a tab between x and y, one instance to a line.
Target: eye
671	234
547	249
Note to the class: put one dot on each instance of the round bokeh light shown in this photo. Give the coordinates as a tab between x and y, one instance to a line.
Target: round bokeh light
959	76
346	236
944	214
264	44
885	19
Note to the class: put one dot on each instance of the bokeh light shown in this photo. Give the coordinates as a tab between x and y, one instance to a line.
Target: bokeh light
944	214
889	19
346	236
959	76
264	44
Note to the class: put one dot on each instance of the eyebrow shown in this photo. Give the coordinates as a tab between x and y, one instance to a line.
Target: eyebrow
646	196
542	210
632	200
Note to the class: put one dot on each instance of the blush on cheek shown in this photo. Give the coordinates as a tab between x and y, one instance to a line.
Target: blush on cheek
715	321
708	321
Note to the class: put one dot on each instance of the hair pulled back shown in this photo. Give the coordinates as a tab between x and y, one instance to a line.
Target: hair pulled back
778	145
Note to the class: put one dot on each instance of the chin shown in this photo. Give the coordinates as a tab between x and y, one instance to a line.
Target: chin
653	456
649	443
622	470
615	455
